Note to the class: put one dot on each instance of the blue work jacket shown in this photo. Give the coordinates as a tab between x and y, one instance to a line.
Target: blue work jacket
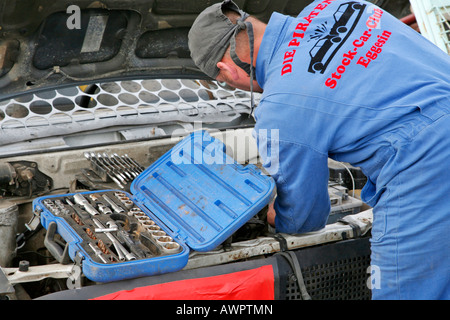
344	80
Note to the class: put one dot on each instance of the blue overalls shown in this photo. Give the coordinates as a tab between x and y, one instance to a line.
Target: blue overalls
348	81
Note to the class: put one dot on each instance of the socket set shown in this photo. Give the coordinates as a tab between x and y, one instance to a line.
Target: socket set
112	227
193	198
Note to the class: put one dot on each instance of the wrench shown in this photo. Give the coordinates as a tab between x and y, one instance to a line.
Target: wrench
121	251
91	157
118	166
109	168
113	205
133	162
78	198
131	168
97	252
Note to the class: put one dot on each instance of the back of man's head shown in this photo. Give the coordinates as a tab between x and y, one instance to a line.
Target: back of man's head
213	32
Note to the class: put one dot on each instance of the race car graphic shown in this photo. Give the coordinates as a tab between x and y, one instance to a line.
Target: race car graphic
346	17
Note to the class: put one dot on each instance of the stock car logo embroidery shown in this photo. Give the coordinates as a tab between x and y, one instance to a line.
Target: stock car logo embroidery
346	17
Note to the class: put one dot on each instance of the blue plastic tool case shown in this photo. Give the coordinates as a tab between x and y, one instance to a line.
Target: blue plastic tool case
196	194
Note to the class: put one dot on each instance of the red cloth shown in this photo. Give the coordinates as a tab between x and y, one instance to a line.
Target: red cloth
254	284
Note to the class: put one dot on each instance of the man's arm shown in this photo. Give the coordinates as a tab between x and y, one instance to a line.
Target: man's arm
301	175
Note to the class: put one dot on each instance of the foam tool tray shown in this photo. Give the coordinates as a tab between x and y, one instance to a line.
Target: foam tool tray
193	198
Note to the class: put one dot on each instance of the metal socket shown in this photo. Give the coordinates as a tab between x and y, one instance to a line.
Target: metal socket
171	247
164	239
153	227
158	233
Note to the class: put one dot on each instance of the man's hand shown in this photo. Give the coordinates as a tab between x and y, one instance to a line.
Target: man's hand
271	215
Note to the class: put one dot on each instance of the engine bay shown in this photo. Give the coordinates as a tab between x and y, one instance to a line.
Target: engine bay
75	171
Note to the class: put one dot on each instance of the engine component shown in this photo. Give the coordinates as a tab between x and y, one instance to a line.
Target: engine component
22	178
8	224
7	174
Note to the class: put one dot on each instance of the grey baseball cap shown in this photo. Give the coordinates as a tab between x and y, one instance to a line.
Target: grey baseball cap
211	34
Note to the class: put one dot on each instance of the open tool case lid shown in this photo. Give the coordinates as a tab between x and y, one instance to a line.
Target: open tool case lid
201	193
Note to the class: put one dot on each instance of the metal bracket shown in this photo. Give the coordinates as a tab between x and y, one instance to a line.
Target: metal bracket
35	220
74	280
37	273
282	241
5	285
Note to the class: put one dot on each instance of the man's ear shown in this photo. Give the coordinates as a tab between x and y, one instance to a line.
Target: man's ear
230	70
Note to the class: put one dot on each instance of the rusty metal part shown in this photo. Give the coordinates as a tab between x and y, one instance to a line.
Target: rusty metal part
98	252
103	247
91	234
77	219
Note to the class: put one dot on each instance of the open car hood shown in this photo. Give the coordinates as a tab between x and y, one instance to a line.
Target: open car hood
117	68
46	43
79	67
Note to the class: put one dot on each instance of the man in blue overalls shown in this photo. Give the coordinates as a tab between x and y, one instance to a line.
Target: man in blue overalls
348	81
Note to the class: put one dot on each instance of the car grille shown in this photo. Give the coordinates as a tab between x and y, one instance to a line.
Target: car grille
123	103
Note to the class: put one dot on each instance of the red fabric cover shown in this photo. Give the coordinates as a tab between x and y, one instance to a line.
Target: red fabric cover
254	284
